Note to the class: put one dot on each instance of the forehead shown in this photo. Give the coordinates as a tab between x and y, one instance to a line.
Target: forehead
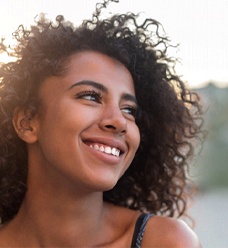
91	65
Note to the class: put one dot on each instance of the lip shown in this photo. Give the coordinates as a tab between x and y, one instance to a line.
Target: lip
107	142
106	158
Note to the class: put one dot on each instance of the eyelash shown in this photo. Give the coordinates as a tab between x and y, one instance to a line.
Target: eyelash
88	95
92	94
132	109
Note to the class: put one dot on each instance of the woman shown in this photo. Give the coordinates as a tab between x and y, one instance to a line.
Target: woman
96	129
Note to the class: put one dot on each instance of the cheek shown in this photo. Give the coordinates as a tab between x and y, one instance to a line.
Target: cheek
135	137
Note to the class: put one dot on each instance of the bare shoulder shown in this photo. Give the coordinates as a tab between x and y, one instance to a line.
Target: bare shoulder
170	233
3	236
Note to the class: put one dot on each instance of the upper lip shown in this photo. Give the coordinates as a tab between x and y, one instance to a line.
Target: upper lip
107	141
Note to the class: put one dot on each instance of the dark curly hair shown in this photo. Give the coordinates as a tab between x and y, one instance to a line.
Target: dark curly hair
170	115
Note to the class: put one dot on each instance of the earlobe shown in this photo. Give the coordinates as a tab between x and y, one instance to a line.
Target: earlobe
25	126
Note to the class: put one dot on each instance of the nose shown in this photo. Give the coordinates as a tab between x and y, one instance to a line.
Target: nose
112	120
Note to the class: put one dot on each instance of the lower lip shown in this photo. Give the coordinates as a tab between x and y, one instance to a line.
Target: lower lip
104	157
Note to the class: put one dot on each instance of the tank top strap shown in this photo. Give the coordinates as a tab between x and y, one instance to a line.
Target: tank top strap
139	230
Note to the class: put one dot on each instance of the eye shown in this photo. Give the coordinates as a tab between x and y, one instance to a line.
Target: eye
130	110
90	96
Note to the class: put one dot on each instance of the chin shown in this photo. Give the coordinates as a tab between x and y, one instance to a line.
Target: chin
106	185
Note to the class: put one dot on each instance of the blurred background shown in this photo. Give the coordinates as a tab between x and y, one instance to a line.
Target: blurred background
211	170
200	29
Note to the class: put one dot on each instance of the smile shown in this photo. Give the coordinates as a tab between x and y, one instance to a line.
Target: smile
106	149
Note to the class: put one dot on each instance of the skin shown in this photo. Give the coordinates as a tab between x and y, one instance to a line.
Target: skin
91	104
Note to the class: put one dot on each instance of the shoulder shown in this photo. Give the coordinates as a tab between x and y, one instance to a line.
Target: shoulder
3	236
169	232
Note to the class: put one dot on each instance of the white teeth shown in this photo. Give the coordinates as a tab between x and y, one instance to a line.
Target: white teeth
114	151
106	149
102	149
96	147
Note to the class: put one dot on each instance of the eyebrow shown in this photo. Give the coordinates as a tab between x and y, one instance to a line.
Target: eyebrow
91	83
125	96
129	97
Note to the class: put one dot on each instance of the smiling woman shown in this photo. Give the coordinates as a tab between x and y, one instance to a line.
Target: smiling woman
96	134
105	122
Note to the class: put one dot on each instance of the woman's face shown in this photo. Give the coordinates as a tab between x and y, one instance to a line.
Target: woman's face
87	133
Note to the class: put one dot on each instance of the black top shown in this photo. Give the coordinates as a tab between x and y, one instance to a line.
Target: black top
139	230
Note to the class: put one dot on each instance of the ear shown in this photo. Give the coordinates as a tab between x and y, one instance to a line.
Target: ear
25	125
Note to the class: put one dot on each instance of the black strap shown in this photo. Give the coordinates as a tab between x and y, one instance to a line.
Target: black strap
136	231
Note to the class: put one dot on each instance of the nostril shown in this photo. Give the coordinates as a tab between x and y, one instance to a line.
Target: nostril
113	128
113	124
110	127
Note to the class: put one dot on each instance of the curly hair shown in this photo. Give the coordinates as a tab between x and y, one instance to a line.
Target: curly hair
170	115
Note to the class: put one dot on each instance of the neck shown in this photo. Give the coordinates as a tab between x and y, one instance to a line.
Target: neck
59	211
56	212
60	221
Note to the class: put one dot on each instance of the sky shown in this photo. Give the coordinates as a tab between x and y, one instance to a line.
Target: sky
198	26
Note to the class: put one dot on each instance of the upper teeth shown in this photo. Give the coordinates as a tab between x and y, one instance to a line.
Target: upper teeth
106	149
